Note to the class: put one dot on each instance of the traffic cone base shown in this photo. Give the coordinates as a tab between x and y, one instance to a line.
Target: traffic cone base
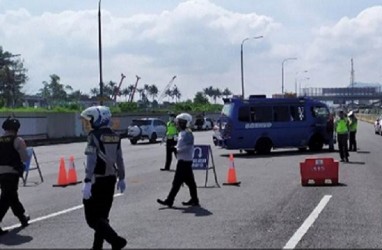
62	180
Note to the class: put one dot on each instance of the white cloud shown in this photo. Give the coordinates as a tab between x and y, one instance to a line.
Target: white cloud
199	41
359	38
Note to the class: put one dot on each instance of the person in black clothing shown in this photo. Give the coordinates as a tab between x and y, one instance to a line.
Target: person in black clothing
13	154
183	173
171	134
104	163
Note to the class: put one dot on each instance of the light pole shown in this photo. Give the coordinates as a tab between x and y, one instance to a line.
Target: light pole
242	68
282	72
295	80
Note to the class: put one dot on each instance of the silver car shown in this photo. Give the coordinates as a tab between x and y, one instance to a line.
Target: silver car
146	129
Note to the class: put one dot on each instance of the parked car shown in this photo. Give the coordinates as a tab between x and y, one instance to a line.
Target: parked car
377	125
146	129
203	123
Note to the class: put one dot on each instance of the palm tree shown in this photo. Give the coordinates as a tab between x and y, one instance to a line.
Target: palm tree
208	91
176	93
153	91
226	92
215	94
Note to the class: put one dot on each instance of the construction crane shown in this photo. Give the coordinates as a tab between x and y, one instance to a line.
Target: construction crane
116	91
131	98
163	94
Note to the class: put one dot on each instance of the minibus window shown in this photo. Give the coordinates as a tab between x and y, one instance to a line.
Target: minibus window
281	114
261	114
227	109
297	113
244	114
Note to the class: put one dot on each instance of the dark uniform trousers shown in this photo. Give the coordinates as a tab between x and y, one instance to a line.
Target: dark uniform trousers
97	210
9	198
352	141
170	149
343	145
183	174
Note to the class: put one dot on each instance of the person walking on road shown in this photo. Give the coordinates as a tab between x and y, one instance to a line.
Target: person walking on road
171	134
104	163
13	152
342	130
353	124
183	172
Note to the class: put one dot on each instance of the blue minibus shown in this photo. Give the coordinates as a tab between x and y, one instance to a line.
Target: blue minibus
259	124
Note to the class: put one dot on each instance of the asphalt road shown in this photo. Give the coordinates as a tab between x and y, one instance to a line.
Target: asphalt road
270	209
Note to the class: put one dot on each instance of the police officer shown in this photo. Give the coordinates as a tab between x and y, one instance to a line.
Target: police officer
342	130
13	153
183	172
104	163
171	133
353	124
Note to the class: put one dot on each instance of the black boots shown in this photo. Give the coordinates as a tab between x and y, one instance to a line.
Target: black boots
119	243
193	203
24	219
165	202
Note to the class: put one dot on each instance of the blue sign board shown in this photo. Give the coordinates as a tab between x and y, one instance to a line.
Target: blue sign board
201	157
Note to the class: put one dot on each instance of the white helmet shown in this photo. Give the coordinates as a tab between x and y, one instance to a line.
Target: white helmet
98	116
184	117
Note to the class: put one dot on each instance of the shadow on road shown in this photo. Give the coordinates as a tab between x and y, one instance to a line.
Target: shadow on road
198	211
13	238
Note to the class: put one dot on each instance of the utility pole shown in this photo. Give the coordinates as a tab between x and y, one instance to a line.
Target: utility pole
352	81
100	54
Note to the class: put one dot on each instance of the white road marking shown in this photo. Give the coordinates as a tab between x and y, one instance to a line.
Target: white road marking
291	244
51	215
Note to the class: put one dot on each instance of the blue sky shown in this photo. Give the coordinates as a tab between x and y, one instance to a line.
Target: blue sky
197	40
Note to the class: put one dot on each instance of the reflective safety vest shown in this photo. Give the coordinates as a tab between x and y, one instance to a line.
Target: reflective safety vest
342	126
353	124
171	130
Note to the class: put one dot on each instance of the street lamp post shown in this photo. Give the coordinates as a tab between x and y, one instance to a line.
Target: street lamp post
282	72
242	67
100	54
296	79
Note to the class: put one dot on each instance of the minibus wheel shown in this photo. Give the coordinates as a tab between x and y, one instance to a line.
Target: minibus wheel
263	146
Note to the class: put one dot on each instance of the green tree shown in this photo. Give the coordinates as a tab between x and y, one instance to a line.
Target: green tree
12	78
200	98
226	92
215	94
153	91
54	92
176	93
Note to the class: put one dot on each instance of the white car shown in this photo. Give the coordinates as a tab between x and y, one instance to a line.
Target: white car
203	124
146	129
377	125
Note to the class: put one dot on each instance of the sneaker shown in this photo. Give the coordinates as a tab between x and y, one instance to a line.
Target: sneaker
164	202
119	243
164	169
347	159
191	203
342	160
2	232
24	219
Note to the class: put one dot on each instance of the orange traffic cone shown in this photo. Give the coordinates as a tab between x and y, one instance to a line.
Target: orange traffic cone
231	176
72	174
62	179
